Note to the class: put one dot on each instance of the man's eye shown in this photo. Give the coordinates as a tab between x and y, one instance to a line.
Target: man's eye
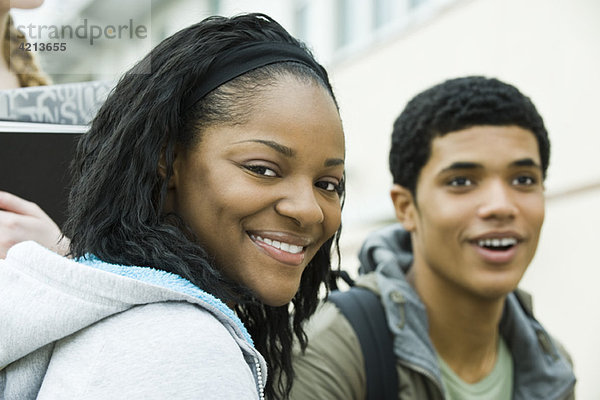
260	170
460	181
524	180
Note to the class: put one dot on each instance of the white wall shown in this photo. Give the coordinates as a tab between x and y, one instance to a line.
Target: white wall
564	278
550	49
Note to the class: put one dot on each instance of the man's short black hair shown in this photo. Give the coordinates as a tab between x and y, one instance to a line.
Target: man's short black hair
454	105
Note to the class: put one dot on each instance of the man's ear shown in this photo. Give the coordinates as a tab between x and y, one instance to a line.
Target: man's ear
404	204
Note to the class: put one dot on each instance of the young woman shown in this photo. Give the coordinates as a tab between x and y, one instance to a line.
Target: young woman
207	197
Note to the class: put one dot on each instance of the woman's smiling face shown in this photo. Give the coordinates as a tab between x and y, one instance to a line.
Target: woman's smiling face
264	196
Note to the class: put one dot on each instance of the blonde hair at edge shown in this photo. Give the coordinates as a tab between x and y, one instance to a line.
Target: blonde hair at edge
22	63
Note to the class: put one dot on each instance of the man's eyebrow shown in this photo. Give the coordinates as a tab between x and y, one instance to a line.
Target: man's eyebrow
525	162
286	151
462	165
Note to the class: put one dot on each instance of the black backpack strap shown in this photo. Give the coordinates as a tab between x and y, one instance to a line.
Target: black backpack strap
364	311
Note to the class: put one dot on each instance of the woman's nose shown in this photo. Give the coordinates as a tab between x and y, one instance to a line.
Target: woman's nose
300	203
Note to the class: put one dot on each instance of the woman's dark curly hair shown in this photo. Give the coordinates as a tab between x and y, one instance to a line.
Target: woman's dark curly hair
116	202
454	105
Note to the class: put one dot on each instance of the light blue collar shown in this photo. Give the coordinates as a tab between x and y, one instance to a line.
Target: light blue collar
166	280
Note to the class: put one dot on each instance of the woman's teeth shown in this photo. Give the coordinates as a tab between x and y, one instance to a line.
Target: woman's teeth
287	247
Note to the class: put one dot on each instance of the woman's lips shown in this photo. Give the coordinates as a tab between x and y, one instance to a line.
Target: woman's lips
284	252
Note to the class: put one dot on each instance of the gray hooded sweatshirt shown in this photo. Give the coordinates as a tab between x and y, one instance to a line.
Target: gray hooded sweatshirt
92	330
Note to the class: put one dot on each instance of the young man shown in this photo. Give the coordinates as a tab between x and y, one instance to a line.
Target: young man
469	157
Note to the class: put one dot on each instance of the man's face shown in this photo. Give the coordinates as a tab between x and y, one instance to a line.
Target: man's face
478	211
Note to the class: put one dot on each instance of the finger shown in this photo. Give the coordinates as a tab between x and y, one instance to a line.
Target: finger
16	204
15	228
12	222
10	230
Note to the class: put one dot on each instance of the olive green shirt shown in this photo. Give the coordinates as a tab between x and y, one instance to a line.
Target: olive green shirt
498	385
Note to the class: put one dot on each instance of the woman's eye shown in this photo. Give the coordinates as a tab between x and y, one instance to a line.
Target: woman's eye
261	170
460	181
330	186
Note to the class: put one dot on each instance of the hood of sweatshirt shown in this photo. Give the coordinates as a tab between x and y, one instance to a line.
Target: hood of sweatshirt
385	258
46	297
542	370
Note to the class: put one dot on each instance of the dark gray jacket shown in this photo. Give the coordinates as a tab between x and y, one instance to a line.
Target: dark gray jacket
332	367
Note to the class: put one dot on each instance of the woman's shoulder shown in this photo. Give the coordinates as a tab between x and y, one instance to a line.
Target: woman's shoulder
160	349
151	327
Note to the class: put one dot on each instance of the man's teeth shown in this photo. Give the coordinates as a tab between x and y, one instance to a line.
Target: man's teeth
497	242
288	248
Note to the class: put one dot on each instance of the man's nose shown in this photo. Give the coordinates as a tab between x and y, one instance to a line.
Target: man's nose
498	201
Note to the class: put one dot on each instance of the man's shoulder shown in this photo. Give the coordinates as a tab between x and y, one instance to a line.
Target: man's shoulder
328	322
529	340
369	281
332	365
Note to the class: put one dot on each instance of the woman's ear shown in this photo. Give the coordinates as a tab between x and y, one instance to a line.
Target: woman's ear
163	172
162	167
404	204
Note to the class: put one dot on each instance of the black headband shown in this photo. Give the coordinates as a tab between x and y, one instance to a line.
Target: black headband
239	60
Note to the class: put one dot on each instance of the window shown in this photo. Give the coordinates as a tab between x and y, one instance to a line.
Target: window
415	3
344	23
383	12
301	18
214	6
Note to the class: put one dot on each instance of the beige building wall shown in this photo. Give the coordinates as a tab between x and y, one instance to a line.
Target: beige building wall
550	49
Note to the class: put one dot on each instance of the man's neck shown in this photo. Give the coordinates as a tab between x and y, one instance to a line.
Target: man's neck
463	328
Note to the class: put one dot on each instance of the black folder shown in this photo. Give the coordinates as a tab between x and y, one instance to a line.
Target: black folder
34	163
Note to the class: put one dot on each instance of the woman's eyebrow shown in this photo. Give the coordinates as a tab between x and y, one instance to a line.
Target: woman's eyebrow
332	162
286	151
289	152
